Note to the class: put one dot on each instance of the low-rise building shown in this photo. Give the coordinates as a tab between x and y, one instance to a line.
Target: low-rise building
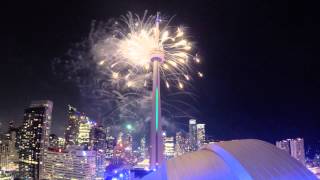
70	164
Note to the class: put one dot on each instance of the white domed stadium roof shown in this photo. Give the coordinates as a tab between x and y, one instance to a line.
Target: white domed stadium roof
237	159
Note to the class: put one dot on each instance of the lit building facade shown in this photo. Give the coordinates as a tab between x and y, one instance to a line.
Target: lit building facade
181	145
79	128
201	135
110	144
9	157
101	164
127	143
71	163
61	142
193	134
53	140
98	142
34	139
168	146
4	153
315	171
83	138
142	148
123	152
297	149
72	130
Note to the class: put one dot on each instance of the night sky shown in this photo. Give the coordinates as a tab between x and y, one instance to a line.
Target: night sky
260	60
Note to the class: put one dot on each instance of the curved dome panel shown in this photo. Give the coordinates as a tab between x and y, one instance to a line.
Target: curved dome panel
237	159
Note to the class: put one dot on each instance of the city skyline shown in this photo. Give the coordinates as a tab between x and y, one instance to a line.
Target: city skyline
260	76
90	151
194	129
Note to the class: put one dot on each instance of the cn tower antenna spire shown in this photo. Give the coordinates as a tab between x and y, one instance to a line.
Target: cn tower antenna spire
157	31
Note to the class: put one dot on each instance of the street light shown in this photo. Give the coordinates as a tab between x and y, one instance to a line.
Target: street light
129	127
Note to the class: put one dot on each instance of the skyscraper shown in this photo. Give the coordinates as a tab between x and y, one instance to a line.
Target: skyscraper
79	128
8	151
297	149
4	153
201	135
34	138
83	137
193	134
98	138
72	130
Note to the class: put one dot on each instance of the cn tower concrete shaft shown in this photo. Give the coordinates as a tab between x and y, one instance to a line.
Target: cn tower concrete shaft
156	146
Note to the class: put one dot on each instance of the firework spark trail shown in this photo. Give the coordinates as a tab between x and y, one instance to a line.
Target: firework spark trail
113	71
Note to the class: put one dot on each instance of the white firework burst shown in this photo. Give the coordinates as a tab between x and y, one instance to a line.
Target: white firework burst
126	52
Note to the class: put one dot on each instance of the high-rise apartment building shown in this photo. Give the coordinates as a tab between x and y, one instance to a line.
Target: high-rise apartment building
34	139
201	135
193	134
83	137
9	157
4	154
72	130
